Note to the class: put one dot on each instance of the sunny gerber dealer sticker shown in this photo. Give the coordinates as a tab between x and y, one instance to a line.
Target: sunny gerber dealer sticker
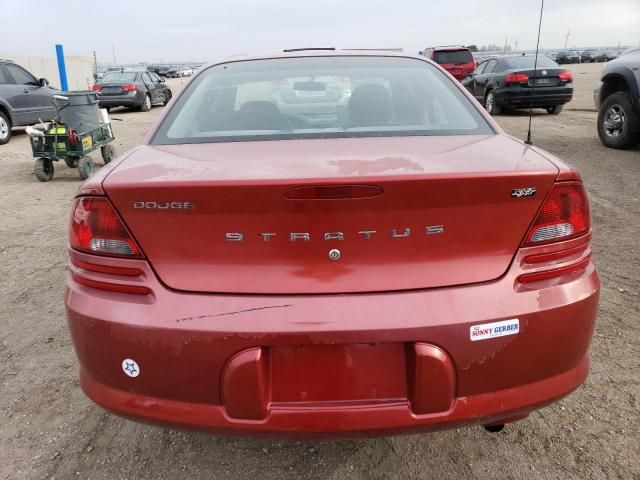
495	329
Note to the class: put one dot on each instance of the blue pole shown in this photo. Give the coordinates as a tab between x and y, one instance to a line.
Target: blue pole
62	69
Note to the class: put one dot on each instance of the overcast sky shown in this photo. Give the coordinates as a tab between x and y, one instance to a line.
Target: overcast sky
201	30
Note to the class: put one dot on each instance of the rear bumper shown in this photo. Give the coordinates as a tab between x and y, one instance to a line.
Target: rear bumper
228	363
482	409
519	97
134	99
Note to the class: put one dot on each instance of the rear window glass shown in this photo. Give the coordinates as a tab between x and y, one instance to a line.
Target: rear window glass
453	56
528	62
117	77
319	97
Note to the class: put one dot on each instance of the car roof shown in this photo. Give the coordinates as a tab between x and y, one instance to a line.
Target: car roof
310	52
449	48
126	70
525	55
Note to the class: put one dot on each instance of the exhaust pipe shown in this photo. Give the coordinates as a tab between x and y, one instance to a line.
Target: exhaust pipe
494	428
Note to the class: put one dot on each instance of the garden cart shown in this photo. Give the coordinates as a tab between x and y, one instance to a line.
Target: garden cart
76	131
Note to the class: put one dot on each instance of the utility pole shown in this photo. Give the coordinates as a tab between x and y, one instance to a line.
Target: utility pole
566	40
95	65
113	50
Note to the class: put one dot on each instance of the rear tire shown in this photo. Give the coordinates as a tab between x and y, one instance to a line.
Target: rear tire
85	167
554	110
44	169
71	162
618	124
108	153
5	129
146	103
167	97
490	103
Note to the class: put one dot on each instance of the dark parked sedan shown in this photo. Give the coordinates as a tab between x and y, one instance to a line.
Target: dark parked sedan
568	56
24	100
511	82
140	89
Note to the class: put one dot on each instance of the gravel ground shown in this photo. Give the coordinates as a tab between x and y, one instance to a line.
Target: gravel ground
50	430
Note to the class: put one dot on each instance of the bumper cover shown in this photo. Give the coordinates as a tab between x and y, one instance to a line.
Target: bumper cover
522	97
226	362
131	100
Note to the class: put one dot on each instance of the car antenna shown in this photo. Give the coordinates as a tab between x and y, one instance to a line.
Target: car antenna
535	67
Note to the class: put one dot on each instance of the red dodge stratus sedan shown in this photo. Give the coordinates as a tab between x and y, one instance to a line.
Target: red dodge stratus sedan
330	243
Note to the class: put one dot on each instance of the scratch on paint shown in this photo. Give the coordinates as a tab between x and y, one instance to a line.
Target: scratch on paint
255	309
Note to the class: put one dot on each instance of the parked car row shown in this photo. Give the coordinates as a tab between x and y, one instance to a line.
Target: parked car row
171	71
584	56
27	100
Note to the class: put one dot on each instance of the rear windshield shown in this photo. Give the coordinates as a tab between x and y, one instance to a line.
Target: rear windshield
117	77
453	56
529	61
318	97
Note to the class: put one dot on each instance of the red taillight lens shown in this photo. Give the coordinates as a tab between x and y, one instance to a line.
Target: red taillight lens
555	272
129	88
517	78
566	76
96	88
96	228
564	215
111	287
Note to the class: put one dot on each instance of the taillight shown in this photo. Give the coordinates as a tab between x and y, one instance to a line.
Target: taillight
96	88
566	76
129	88
555	272
517	78
564	215
96	228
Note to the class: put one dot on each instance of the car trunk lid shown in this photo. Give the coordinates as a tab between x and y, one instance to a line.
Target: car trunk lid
264	217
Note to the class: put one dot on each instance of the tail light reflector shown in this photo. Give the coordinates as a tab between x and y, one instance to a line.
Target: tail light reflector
108	269
96	88
111	287
564	215
129	88
553	256
566	76
96	228
555	272
517	78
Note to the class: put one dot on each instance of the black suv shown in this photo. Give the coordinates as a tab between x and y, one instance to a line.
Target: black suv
617	99
24	100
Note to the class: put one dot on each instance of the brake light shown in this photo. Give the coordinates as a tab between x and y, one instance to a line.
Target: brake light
95	227
564	215
517	78
566	76
96	88
129	88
